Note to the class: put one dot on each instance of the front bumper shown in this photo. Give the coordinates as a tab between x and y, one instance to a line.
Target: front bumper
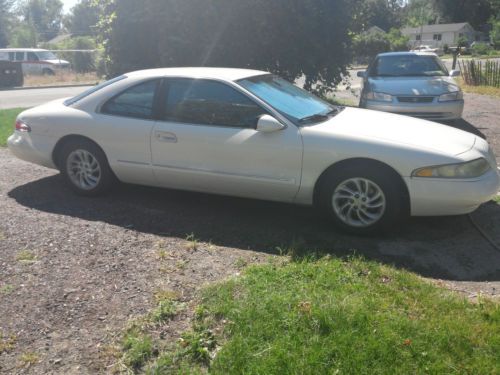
441	197
430	111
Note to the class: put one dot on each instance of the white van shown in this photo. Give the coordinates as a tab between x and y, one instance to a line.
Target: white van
34	61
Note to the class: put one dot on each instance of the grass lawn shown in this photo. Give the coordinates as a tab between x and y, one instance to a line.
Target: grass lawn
483	90
325	316
7	119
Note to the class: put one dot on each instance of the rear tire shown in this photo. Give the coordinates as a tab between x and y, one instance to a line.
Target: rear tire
85	168
363	199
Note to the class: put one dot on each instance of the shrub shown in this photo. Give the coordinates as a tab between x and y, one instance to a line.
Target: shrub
481	49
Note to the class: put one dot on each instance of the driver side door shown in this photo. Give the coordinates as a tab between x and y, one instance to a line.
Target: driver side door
206	140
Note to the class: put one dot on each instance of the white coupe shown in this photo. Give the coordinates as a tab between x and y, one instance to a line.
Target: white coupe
252	134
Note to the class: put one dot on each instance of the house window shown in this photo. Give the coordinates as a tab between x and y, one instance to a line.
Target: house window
437	37
418	37
460	35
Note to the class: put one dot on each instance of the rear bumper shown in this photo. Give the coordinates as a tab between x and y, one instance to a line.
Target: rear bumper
439	197
429	111
22	146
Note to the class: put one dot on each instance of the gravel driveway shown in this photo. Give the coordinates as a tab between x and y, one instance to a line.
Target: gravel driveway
74	270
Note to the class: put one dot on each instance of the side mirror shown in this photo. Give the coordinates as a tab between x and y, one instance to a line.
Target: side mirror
361	74
454	73
268	124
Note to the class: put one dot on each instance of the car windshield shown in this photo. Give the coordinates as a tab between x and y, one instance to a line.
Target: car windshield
408	66
46	55
296	104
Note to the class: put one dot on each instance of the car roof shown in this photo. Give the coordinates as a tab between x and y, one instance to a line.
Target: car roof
406	54
226	74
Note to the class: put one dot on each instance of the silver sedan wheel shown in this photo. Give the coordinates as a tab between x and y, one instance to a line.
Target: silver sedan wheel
359	202
83	169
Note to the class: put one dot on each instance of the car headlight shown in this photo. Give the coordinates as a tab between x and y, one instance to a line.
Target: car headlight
469	169
457	95
378	96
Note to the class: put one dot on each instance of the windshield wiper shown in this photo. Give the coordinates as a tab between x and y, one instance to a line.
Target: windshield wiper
318	117
314	118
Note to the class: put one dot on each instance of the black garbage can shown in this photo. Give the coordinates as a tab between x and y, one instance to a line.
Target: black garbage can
11	74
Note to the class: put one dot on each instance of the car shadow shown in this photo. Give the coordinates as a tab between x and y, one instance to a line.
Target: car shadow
446	248
465	126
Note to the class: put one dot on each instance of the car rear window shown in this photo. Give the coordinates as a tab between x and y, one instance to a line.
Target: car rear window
92	90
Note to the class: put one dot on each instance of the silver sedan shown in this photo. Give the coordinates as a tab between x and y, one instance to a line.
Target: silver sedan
412	84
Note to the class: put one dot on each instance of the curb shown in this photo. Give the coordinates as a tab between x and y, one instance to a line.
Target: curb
47	87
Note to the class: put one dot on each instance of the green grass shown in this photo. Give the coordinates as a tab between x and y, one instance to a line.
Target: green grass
335	317
7	120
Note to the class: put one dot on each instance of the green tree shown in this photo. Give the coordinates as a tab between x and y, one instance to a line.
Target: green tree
45	16
83	18
385	14
495	32
397	40
5	21
23	36
476	12
293	38
420	12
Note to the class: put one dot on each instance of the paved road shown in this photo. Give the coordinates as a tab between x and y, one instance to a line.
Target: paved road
34	97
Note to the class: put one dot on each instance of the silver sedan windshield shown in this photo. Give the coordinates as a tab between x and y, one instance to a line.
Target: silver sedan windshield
408	66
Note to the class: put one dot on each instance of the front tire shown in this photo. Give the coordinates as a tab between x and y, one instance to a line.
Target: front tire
85	168
363	199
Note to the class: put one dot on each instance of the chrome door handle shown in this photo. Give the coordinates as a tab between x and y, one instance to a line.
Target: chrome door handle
166	137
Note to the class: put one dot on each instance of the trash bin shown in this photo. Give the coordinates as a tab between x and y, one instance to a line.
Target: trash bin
11	74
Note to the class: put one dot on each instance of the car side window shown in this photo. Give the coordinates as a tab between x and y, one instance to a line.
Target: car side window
136	101
12	56
19	56
32	56
206	102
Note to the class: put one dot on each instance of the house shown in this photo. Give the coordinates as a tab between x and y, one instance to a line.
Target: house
441	34
374	30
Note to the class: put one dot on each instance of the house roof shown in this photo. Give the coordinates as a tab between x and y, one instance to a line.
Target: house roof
374	29
439	28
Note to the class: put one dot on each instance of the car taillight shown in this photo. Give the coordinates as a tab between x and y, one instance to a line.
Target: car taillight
22	127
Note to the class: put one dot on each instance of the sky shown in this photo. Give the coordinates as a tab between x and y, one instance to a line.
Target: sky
68	4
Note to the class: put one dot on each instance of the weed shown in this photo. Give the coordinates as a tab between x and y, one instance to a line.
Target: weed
192	242
26	256
197	346
6	289
161	251
182	264
7	344
137	347
241	263
29	359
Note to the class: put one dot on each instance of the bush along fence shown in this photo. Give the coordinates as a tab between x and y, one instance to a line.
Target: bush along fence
478	73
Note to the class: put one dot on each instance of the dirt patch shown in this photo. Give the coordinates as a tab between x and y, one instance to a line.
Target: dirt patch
73	270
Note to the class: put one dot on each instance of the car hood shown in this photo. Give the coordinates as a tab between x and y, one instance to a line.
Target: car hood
413	85
407	131
57	62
